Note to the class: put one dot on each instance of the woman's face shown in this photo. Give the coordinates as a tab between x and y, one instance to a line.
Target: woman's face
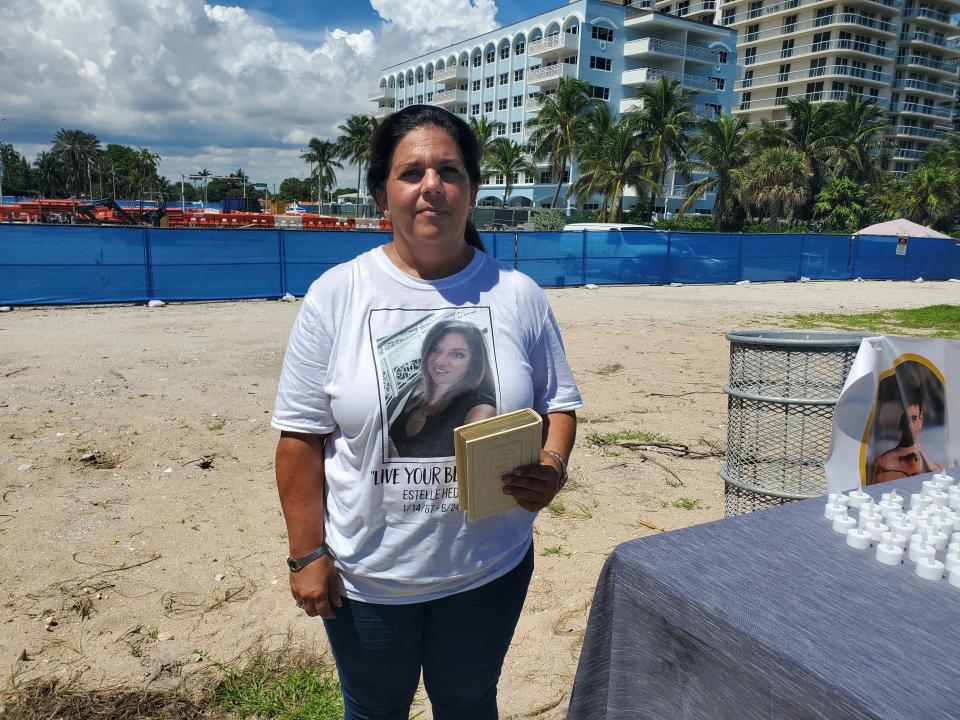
428	192
449	359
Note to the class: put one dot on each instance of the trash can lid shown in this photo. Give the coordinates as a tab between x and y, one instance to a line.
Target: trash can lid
798	338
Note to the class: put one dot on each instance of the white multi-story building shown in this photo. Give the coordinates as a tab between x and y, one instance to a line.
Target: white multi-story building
902	53
615	45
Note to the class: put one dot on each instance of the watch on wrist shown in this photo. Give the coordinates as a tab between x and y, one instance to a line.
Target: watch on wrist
298	564
563	467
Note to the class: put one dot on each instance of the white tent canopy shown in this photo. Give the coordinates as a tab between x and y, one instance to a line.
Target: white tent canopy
901	228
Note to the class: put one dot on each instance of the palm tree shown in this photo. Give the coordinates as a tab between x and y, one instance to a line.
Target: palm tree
808	131
558	124
933	192
842	205
49	174
778	180
594	134
484	131
507	158
857	136
204	174
722	149
665	118
75	149
323	153
612	162
354	145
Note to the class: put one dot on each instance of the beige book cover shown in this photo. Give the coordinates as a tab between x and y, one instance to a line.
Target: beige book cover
488	449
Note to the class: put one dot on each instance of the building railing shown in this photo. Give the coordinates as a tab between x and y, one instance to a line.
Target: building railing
931	110
670	47
382	93
551	72
448	96
923	37
648	74
818	47
532	103
560	41
707	6
451	72
944	66
928	14
822	96
826	71
812	23
914	132
907	154
784	7
924	86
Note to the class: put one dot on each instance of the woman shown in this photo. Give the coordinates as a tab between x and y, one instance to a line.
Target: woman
379	546
455	388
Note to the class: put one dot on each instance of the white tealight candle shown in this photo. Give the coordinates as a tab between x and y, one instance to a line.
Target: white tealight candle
868	516
858	538
952	562
954	578
894	516
858	498
920	550
938	540
885	507
876	530
916	501
904	527
894	538
955	538
953	547
892	497
954	501
930	486
939	498
929	569
832	509
943	525
942	478
842	523
889	554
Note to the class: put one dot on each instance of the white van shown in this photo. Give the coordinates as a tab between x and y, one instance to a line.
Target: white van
605	226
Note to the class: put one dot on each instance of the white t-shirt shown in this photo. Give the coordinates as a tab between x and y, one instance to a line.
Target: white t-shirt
354	370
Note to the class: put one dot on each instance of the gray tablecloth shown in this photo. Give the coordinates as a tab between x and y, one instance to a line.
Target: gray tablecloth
769	615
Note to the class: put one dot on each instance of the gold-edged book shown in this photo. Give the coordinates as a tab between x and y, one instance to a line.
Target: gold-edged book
488	449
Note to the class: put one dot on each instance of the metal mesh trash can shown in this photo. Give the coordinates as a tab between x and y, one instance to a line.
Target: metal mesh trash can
783	387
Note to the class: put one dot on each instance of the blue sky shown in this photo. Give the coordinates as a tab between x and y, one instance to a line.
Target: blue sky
216	84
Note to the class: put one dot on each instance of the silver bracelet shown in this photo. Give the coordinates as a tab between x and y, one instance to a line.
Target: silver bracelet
563	466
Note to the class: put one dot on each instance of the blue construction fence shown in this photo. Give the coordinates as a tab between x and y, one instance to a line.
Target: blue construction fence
43	264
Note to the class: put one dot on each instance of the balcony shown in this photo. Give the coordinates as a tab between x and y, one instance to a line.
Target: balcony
931	16
923	86
828	71
451	73
707	7
820	22
553	45
639	76
548	75
918	109
646	46
909	131
950	68
928	39
790	5
382	93
906	154
815	97
532	104
453	96
853	46
381	112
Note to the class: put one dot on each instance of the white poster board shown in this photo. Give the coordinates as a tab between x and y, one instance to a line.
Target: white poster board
898	414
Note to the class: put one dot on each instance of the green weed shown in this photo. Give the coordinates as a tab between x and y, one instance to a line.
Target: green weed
686	503
601	439
939	321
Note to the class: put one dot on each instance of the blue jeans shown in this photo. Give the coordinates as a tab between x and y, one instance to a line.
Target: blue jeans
459	641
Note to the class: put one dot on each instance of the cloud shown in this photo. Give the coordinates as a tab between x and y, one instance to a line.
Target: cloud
204	84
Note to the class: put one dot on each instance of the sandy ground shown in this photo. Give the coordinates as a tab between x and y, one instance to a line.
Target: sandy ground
126	561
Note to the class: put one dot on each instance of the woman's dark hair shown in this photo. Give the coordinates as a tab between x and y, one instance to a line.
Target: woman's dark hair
396	126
